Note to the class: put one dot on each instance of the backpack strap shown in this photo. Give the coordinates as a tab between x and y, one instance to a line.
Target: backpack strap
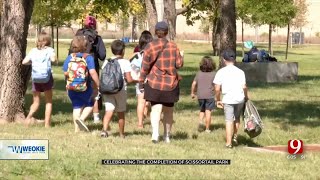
85	55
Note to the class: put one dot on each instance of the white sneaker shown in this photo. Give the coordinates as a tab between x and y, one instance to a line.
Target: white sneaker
82	126
96	121
166	139
154	139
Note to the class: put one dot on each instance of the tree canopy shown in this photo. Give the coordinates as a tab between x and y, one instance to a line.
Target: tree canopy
259	12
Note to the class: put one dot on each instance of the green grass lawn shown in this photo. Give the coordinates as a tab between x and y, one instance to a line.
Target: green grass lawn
289	111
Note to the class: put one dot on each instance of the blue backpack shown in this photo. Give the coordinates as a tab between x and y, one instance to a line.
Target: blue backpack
41	68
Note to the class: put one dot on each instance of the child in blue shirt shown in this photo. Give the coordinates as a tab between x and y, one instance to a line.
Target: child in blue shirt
81	95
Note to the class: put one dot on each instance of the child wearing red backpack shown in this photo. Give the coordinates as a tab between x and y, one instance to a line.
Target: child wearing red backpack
79	69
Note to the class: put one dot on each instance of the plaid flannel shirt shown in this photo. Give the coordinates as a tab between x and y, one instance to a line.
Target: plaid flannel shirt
163	75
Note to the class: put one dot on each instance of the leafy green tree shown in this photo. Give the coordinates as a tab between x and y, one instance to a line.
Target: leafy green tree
207	11
275	13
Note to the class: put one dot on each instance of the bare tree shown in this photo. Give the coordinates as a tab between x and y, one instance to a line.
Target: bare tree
228	26
300	19
15	19
170	14
152	15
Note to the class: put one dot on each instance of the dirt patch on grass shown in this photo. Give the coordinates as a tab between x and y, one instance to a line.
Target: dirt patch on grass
284	149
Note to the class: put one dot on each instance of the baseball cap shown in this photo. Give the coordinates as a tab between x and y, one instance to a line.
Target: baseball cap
90	22
162	26
229	55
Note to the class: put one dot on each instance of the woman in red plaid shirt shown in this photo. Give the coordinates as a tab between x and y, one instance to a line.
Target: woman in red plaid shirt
159	79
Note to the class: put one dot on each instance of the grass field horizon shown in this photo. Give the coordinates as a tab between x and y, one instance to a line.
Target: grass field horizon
288	110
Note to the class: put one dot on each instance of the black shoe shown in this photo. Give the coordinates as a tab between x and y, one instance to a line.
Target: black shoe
154	141
104	134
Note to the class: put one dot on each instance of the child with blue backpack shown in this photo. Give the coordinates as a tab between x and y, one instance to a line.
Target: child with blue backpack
79	69
40	59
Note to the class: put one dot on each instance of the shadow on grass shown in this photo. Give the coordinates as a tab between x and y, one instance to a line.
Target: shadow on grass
180	135
291	112
242	140
133	133
214	127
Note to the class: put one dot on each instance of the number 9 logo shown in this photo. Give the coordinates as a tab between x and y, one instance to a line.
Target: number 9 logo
295	146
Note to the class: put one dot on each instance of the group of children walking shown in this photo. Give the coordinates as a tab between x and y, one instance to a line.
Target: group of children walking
83	83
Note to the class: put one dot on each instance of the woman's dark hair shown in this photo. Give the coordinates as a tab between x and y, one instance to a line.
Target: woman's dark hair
207	64
144	39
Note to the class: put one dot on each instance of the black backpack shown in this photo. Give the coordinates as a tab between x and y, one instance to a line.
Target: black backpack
111	79
91	36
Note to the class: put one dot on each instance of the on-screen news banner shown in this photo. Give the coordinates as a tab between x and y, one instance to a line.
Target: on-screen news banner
166	162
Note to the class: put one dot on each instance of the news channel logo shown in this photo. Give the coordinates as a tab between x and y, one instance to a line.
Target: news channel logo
24	149
295	150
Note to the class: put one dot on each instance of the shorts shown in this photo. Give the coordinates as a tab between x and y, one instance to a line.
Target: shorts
116	102
42	87
206	104
81	99
232	111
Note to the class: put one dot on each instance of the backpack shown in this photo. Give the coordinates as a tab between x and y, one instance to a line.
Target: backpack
253	54
41	69
77	73
91	36
111	79
252	121
136	62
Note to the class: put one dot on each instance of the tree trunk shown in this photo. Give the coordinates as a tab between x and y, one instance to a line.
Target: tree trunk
228	27
242	38
216	36
57	49
152	15
288	37
216	27
52	35
133	29
270	39
15	21
170	16
300	35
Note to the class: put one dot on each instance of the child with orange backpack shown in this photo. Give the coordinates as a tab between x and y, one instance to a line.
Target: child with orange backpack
79	69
